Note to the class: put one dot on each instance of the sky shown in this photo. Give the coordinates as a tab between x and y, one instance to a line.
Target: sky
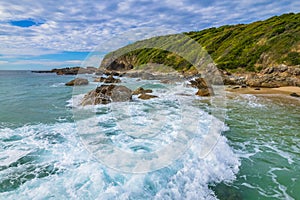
51	34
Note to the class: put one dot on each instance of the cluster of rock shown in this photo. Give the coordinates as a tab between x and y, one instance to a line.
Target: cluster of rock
270	77
109	79
105	94
275	77
143	93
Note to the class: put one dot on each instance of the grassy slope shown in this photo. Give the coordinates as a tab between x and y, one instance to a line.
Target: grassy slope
247	47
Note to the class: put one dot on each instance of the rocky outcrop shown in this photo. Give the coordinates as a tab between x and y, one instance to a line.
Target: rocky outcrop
146	96
77	81
118	63
275	77
109	79
141	90
74	70
270	77
105	94
204	89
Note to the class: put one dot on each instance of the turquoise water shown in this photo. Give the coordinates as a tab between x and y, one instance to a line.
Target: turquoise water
43	154
265	133
26	97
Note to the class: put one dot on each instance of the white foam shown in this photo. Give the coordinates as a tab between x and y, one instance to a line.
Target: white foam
57	85
79	175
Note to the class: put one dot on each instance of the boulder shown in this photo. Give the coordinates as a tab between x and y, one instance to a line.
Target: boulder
105	94
204	89
141	90
77	81
147	96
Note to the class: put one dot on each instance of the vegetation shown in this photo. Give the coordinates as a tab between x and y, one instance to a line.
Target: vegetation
249	47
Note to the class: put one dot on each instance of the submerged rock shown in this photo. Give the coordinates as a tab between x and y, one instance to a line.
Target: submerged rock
105	94
77	81
141	90
147	96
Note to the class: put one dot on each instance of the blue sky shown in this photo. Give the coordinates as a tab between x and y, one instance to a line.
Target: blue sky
50	34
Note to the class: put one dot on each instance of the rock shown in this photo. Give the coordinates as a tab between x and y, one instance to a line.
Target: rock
141	90
99	79
256	88
282	68
77	81
203	93
105	94
74	70
204	89
236	87
113	73
294	94
269	85
243	85
109	79
253	83
147	96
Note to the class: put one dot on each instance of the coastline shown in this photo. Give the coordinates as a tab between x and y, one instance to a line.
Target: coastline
287	90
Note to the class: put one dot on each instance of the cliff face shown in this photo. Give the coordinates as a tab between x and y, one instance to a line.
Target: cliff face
243	47
122	63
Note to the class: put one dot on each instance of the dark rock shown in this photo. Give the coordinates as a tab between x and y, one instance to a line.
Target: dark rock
77	81
105	94
43	71
236	87
256	88
141	90
294	94
244	86
147	96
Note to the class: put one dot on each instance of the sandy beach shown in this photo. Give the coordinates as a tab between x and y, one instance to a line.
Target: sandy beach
280	90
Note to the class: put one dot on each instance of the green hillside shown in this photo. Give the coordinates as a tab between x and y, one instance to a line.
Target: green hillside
248	47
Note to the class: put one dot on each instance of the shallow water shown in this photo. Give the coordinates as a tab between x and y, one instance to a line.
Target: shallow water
43	153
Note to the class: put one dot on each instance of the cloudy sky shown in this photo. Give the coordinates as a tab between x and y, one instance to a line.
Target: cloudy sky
48	34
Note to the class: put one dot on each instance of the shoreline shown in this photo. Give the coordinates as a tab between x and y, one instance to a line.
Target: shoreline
287	90
282	91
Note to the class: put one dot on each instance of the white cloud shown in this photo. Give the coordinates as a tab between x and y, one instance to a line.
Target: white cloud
82	25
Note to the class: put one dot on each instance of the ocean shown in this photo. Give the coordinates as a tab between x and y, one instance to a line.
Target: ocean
176	146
